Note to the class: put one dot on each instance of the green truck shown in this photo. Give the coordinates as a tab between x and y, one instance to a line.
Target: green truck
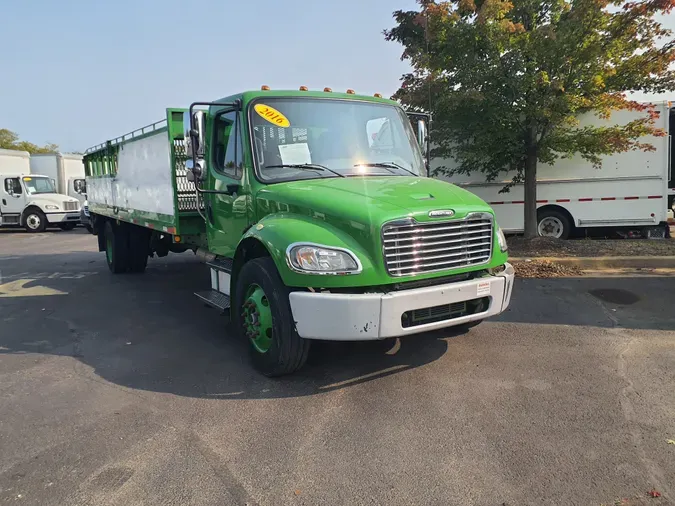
314	213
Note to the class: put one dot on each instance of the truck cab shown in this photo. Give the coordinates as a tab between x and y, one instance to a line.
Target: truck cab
31	201
313	223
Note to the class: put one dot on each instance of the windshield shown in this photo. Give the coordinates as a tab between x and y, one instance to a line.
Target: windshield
35	185
305	138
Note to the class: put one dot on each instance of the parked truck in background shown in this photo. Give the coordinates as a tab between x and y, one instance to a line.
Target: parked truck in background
66	169
631	190
309	229
31	200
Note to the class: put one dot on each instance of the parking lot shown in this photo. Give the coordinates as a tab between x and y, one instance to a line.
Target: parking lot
126	390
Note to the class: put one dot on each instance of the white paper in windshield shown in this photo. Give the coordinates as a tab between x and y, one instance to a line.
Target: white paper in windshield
295	153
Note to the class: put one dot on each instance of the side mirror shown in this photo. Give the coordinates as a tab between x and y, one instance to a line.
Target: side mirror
194	172
423	140
195	133
80	186
422	134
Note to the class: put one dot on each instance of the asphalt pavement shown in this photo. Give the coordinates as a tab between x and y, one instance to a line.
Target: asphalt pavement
125	390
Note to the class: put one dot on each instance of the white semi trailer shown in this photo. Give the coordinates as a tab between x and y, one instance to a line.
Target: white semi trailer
634	189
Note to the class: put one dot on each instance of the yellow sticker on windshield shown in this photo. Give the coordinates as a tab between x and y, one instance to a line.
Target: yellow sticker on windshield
272	115
27	178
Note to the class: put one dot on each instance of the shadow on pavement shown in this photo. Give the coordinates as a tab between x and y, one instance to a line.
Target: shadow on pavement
149	332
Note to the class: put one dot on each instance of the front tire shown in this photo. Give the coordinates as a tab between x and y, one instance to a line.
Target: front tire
35	221
262	312
116	248
66	226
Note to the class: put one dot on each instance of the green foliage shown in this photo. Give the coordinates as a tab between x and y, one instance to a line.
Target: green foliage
10	140
506	80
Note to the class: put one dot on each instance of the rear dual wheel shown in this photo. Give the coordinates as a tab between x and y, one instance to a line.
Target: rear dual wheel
552	223
263	315
126	247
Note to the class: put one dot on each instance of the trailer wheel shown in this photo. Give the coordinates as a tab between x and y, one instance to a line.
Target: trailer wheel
262	313
139	245
552	223
35	221
116	248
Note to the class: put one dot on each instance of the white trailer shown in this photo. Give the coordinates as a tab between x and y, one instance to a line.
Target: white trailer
32	200
630	190
66	169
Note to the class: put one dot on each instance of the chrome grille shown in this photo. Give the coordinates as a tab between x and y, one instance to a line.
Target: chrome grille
411	247
71	206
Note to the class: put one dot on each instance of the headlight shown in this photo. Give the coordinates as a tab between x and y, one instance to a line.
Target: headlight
49	206
502	240
318	259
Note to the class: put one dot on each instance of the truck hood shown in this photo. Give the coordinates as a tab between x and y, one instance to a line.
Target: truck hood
56	199
360	205
370	200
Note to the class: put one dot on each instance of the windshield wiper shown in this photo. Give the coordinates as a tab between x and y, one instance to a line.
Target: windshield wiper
303	166
386	165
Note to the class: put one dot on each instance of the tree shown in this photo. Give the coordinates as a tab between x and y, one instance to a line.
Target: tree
10	140
506	80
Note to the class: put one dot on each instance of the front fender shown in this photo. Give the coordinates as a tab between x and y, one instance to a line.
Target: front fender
277	231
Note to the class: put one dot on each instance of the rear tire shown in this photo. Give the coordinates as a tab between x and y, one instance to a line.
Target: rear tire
66	226
116	247
35	221
552	223
139	246
262	313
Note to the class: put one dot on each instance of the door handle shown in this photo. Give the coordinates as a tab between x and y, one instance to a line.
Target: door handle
4	202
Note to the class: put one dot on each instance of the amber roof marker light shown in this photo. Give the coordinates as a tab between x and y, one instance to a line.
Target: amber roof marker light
264	87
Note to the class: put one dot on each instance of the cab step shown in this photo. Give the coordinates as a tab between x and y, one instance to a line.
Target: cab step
221	270
221	264
215	299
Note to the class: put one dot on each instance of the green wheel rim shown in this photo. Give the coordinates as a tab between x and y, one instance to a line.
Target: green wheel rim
108	249
257	316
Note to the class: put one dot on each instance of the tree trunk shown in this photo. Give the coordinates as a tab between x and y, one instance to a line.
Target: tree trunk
530	210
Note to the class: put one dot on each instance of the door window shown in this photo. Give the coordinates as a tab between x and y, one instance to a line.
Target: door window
13	185
227	146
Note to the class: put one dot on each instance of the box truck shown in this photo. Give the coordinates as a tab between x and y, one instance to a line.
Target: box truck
66	169
31	200
631	190
308	228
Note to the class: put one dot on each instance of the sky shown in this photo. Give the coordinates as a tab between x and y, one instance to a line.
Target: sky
77	72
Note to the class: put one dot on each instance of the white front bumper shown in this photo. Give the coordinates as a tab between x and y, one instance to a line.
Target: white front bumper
70	216
370	316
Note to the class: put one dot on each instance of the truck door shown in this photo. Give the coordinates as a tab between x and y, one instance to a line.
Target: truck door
227	212
11	200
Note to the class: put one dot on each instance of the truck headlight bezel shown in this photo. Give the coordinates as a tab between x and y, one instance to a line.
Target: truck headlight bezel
300	255
51	207
501	239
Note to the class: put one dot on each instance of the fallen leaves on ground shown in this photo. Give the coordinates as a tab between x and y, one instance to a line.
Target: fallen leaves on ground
654	493
550	247
545	269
